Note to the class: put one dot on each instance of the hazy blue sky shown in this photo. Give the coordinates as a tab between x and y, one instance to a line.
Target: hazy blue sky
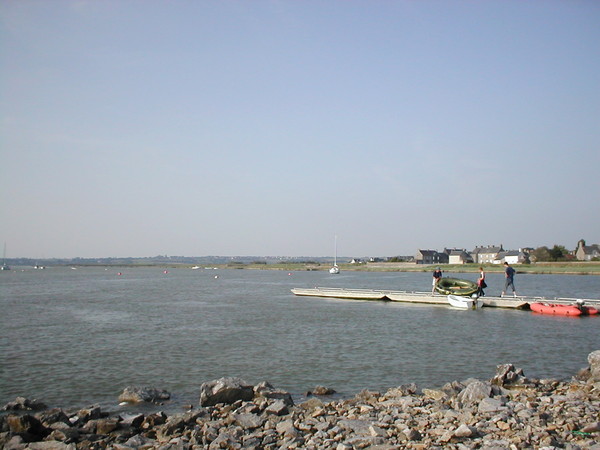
138	128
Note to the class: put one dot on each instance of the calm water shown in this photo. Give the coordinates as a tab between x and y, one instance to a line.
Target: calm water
72	338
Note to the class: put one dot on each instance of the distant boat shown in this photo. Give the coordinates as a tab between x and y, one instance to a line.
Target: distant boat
195	267
4	265
335	269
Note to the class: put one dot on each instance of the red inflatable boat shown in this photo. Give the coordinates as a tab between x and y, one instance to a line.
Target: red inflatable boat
563	310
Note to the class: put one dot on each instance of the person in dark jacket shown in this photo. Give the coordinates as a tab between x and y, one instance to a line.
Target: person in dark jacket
509	273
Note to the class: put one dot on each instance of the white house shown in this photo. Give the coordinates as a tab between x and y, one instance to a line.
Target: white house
486	255
587	252
457	256
511	257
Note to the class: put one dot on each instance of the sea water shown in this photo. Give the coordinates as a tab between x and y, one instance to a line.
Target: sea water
72	338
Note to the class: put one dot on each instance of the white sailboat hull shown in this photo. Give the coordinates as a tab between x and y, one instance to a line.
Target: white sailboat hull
457	301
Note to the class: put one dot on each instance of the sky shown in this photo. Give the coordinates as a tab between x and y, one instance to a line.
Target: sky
193	128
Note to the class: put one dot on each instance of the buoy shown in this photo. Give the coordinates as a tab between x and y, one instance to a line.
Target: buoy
119	274
166	271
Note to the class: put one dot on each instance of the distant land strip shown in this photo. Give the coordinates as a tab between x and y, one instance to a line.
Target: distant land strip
316	264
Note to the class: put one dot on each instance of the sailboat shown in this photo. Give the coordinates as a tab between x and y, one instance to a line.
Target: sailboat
4	265
335	268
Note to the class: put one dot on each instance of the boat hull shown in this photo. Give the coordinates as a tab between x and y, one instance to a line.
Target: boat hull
562	310
462	302
456	286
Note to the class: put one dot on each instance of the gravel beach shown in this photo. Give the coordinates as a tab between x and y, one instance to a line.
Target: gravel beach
508	411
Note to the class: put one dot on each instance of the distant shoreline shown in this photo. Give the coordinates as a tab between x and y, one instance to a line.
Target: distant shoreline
553	268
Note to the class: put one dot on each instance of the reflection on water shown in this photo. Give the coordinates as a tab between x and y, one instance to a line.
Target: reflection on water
72	338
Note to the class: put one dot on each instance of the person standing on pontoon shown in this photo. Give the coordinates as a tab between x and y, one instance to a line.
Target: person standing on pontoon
510	280
481	283
437	276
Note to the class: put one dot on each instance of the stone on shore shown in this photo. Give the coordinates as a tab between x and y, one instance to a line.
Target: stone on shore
594	362
266	390
139	394
30	428
24	404
225	390
321	391
475	392
507	374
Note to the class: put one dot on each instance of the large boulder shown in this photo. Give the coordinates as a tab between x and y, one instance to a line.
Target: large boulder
24	404
28	427
594	362
225	390
139	394
475	392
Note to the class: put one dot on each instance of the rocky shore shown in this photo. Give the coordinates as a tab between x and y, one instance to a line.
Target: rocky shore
509	411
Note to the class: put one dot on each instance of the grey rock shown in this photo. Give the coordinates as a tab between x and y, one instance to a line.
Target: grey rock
356	426
68	435
312	404
54	416
24	404
248	421
434	394
225	390
593	427
51	445
488	405
475	392
133	420
594	362
92	413
286	428
138	394
507	374
413	434
464	431
321	390
28	426
266	390
278	408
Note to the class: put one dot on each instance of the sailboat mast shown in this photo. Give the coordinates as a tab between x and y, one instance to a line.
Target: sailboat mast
335	251
335	268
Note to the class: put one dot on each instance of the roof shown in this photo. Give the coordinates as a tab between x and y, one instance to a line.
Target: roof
488	249
591	249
